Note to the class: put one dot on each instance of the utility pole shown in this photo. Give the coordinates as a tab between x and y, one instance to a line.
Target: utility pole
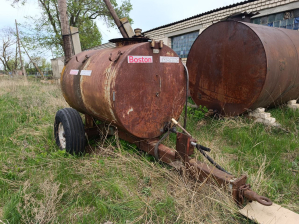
65	30
16	61
18	39
116	19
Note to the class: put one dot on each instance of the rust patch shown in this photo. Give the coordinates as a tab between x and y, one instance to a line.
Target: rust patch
126	94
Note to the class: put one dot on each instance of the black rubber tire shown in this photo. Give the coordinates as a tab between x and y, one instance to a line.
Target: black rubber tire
73	130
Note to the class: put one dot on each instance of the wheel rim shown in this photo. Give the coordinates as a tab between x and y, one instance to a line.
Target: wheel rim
61	136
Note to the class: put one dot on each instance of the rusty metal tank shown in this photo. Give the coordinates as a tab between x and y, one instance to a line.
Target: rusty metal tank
136	86
235	67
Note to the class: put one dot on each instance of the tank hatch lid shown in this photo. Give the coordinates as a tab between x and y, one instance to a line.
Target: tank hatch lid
117	40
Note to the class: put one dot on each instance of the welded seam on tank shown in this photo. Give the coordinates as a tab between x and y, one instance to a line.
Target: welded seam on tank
178	99
266	69
128	49
89	108
61	84
82	79
290	87
277	84
110	74
68	86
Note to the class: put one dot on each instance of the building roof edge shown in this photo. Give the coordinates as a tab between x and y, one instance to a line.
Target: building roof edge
202	14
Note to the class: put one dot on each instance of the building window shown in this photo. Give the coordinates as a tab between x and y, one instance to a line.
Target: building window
182	44
287	20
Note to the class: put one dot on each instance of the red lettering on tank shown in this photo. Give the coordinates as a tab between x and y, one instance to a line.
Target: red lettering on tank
140	59
130	59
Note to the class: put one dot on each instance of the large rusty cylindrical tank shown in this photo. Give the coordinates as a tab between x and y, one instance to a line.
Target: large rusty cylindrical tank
237	66
129	86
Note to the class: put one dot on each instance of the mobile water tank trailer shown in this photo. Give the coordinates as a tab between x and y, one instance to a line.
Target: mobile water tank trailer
137	93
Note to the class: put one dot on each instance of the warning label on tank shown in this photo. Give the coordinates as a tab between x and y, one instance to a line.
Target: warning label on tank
140	59
164	59
74	72
86	72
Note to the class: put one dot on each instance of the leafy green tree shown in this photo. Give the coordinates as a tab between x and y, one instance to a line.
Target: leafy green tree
45	31
30	69
12	64
90	35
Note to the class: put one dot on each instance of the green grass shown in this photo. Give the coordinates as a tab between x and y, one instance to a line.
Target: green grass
115	182
268	155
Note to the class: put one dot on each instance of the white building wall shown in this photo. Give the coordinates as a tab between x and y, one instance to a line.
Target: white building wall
57	66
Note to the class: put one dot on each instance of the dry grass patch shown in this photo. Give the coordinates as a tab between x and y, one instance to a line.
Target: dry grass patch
115	182
44	210
8	85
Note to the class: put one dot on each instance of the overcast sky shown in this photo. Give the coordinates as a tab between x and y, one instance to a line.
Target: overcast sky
154	13
146	14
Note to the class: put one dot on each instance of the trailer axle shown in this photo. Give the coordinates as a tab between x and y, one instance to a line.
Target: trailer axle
237	187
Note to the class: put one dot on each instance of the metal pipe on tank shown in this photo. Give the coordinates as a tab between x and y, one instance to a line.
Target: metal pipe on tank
116	19
235	67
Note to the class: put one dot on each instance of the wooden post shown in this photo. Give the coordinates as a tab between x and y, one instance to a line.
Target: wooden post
65	30
16	61
22	66
116	19
76	40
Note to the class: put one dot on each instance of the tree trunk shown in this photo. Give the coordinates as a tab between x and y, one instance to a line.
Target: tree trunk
65	30
22	66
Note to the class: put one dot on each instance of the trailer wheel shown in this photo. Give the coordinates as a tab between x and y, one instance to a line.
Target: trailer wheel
69	131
